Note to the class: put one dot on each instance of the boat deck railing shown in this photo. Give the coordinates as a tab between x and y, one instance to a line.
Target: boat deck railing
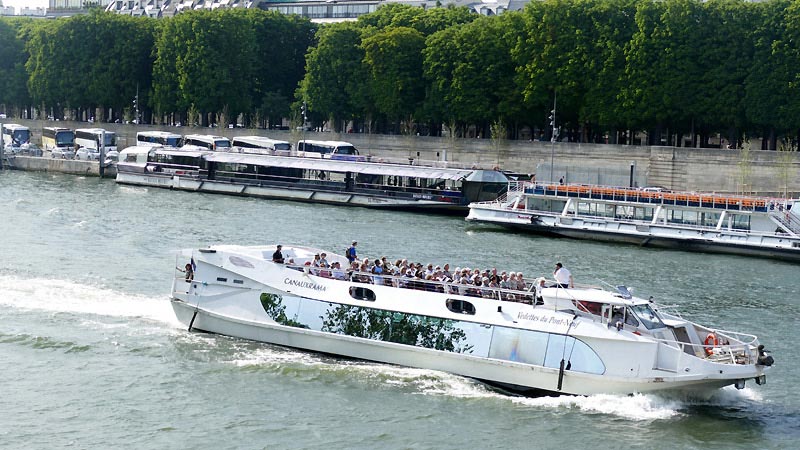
468	290
733	347
636	195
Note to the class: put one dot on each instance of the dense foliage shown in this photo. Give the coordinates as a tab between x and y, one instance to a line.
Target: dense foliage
671	67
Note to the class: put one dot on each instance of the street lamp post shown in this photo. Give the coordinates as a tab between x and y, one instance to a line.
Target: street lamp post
553	137
304	111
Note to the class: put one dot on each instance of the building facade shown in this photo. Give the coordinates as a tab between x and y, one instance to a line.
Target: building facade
316	10
76	4
6	10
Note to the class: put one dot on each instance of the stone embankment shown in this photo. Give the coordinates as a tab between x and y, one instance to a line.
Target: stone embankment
677	168
45	164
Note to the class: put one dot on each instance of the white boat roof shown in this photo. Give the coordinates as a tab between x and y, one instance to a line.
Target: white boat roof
354	166
333	143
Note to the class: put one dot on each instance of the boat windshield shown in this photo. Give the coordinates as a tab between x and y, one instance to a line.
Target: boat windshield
647	316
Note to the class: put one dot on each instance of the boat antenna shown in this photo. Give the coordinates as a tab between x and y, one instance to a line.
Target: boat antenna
562	367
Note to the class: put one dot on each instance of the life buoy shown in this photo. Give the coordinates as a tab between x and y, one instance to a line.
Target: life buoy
711	342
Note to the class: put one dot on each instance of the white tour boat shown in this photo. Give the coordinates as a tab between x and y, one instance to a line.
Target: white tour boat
733	224
569	341
316	180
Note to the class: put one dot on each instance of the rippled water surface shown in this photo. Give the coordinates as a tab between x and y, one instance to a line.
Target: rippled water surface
92	356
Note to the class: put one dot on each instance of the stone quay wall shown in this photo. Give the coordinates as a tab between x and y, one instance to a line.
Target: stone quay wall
677	168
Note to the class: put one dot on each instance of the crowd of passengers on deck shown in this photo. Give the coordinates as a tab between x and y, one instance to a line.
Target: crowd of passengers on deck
401	273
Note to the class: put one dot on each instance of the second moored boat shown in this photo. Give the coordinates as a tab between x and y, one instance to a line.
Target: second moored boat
733	224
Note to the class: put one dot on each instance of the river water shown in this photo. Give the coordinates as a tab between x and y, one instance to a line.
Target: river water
92	356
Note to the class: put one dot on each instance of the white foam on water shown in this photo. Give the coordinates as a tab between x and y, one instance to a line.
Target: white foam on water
273	356
646	407
54	295
133	189
638	407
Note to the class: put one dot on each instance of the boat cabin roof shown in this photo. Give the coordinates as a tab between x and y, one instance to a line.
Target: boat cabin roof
594	295
350	166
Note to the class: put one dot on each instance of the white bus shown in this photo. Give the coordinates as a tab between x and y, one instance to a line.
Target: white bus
215	143
261	145
90	138
16	135
329	149
153	138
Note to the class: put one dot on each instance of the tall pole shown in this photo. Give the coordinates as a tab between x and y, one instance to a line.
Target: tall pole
102	153
304	111
136	106
553	137
2	146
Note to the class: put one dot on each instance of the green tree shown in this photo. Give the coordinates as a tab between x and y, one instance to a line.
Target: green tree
280	47
393	59
335	80
208	58
767	83
13	78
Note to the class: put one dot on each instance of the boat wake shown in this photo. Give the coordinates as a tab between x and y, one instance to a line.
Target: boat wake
43	294
639	407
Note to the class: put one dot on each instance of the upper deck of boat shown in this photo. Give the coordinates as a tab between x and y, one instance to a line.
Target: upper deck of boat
655	197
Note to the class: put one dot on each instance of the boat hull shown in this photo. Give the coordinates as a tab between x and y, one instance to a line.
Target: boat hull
531	222
289	193
515	377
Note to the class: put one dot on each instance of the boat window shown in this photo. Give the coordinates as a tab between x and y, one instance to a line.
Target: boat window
644	213
648	317
588	307
710	219
224	280
580	356
460	306
741	222
361	293
513	344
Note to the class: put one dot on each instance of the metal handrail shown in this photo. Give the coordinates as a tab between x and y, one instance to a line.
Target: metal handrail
406	283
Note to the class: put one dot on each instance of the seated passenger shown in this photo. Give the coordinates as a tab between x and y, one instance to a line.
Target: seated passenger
538	285
377	270
521	285
336	271
512	281
446	272
504	284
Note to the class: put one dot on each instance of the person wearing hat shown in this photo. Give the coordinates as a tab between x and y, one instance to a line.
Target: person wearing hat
278	256
539	284
351	253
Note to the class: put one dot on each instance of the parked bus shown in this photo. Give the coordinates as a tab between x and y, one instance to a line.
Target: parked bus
58	138
261	145
329	150
215	143
90	138
16	135
165	138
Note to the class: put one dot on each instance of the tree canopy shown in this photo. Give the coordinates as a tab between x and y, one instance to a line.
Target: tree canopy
669	67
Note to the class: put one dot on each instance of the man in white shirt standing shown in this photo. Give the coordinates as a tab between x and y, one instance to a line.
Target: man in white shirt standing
563	276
